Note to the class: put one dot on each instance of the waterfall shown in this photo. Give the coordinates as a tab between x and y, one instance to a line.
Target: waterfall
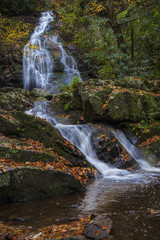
81	137
37	70
69	63
37	62
133	151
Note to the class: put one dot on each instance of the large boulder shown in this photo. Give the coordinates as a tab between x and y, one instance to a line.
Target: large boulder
103	100
32	149
31	183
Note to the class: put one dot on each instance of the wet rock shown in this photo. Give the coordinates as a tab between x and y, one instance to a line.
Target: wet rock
19	219
147	142
29	184
39	94
99	228
109	150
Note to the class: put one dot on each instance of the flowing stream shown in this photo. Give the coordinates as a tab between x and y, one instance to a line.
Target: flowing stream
129	197
38	68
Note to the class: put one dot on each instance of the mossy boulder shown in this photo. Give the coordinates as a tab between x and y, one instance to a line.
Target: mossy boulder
19	125
138	83
15	99
29	184
67	101
128	105
41	94
104	100
54	166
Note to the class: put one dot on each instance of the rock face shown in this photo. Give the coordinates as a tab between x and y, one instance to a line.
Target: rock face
126	102
36	161
103	100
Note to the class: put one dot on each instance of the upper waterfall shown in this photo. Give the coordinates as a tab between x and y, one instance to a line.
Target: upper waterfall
38	64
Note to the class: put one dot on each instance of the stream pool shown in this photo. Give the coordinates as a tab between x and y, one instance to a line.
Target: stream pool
133	205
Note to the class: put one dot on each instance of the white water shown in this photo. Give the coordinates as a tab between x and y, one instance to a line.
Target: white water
37	62
134	151
38	68
69	63
80	136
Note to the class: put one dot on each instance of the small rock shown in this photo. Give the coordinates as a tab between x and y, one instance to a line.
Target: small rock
18	219
99	228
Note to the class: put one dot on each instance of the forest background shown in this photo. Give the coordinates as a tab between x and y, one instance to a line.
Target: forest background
117	38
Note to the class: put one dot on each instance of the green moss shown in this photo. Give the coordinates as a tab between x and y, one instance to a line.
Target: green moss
22	156
5	180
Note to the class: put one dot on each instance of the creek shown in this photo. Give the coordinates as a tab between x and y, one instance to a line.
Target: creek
131	198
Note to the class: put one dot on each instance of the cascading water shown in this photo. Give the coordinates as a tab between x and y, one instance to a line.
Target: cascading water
37	71
69	63
37	62
81	137
133	151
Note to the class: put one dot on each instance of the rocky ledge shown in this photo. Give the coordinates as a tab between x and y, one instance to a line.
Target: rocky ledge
36	161
131	105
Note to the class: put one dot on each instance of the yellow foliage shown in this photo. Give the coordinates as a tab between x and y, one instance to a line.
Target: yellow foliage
96	7
13	33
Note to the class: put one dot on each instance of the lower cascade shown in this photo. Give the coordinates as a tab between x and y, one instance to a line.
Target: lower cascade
81	137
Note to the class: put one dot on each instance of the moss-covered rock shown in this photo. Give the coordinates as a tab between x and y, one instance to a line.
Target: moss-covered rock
103	100
19	125
41	94
128	105
28	184
15	99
